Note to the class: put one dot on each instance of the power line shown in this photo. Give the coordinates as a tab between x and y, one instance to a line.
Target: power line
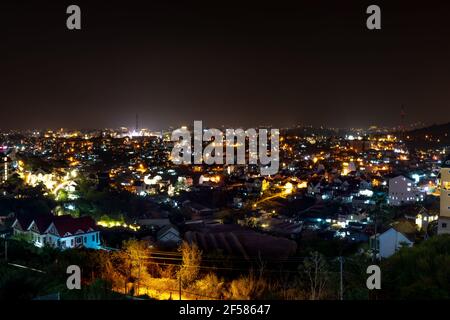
254	257
227	268
25	267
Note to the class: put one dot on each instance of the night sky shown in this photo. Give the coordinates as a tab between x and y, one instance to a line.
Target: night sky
223	62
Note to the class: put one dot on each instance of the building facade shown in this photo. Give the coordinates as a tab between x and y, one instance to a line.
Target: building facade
444	216
64	232
402	191
388	242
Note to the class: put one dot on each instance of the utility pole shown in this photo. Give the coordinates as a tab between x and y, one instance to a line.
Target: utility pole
179	285
130	274
139	278
375	246
6	250
341	293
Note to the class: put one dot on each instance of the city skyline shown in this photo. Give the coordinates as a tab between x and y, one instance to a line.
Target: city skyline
193	151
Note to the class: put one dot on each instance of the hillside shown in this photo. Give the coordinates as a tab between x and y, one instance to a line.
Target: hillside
435	136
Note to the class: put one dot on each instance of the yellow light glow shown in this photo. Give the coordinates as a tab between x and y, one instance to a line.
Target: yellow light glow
114	224
288	188
302	185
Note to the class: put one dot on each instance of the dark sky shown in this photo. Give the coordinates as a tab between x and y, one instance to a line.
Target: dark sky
223	62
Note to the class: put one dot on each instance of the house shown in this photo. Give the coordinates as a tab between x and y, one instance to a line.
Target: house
283	227
422	219
168	234
356	236
402	191
196	210
5	217
362	202
64	232
388	242
253	185
365	185
314	188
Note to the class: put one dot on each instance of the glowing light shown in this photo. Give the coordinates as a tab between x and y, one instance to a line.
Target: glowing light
302	185
115	224
205	178
152	181
366	192
288	188
265	185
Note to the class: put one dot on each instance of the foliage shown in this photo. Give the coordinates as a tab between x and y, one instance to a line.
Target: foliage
420	272
247	287
190	268
314	271
209	287
27	199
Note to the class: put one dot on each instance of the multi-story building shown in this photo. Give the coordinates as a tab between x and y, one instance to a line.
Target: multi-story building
444	217
402	191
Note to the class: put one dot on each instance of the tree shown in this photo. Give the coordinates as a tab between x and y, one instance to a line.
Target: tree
137	254
381	213
420	272
62	195
315	270
190	268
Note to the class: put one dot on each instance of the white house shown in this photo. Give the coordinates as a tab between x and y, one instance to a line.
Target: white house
62	232
388	242
403	190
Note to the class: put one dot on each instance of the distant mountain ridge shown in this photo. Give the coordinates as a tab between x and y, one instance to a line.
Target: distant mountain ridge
435	136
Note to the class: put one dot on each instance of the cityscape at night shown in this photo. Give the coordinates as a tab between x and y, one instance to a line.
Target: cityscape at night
224	152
